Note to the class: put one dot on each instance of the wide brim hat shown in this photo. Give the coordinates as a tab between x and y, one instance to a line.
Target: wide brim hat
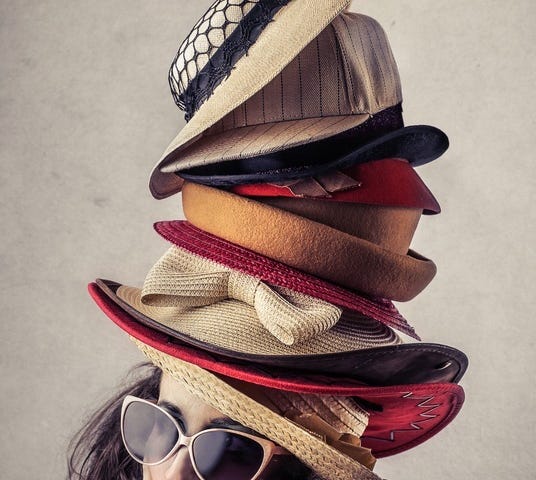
401	416
310	74
237	342
197	241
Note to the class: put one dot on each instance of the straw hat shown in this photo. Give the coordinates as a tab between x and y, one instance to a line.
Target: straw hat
199	242
300	82
234	50
401	416
394	364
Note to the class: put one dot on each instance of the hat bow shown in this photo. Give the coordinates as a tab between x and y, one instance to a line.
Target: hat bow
290	316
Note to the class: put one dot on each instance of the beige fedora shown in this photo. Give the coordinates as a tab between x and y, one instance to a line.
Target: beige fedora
299	82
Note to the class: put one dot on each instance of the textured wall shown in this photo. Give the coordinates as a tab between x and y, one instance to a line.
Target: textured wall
85	111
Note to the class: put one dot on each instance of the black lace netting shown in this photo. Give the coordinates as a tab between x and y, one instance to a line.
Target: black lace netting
217	41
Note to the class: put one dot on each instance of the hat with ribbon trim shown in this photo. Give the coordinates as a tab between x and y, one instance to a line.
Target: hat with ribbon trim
316	91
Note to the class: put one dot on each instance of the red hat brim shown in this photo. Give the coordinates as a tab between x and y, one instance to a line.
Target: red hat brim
401	416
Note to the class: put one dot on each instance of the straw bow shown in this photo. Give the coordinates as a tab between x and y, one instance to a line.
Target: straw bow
180	279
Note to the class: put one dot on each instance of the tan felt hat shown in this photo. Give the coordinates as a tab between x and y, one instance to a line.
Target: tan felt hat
307	245
391	228
301	81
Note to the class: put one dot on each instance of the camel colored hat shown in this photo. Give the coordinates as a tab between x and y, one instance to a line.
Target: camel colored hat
301	81
400	416
307	245
199	242
388	182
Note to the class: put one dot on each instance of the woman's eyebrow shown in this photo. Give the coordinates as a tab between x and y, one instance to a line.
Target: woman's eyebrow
174	411
227	422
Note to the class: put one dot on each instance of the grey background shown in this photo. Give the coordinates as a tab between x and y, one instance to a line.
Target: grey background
86	112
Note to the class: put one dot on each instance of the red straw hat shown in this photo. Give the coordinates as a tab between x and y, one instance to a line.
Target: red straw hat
389	182
195	240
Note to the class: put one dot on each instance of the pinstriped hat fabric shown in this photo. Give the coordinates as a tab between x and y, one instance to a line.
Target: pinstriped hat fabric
337	82
262	51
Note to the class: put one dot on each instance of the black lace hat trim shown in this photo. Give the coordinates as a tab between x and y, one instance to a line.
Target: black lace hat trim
190	97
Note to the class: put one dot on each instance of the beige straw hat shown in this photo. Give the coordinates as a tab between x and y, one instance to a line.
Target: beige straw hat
326	461
219	306
344	78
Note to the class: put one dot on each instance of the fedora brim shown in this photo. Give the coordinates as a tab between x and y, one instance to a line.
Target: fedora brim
199	242
418	144
402	416
385	365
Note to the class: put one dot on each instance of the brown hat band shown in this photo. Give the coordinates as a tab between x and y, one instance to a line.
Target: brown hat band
307	245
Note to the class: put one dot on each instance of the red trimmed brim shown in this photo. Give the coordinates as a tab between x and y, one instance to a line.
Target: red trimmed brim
401	417
185	235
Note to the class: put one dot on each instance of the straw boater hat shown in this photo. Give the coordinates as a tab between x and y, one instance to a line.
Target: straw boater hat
400	416
300	82
194	240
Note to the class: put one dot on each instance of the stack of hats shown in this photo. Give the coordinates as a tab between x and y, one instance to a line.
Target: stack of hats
274	302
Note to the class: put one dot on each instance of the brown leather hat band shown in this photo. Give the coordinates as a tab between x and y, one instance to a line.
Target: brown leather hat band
307	245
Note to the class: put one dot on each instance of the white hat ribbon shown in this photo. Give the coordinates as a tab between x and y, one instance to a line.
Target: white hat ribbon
290	316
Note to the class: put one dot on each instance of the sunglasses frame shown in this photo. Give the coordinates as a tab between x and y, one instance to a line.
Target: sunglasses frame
269	448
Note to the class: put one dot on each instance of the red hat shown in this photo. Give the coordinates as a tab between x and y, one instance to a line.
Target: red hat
401	416
389	182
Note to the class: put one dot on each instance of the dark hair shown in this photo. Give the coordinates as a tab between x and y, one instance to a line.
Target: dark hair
97	452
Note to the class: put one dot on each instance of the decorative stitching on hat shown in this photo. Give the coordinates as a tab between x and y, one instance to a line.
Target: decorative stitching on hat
301	84
319	77
416	424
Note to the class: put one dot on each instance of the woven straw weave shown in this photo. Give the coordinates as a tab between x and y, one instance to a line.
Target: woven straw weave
235	324
323	459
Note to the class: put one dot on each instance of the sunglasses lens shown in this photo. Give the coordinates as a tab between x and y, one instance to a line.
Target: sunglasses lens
148	433
224	455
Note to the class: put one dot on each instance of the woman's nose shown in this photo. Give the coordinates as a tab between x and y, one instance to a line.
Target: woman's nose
180	467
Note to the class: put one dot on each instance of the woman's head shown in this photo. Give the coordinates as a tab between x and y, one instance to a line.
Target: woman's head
180	436
97	452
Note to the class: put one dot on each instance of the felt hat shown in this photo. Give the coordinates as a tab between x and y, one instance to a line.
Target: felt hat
388	182
401	416
303	80
313	247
